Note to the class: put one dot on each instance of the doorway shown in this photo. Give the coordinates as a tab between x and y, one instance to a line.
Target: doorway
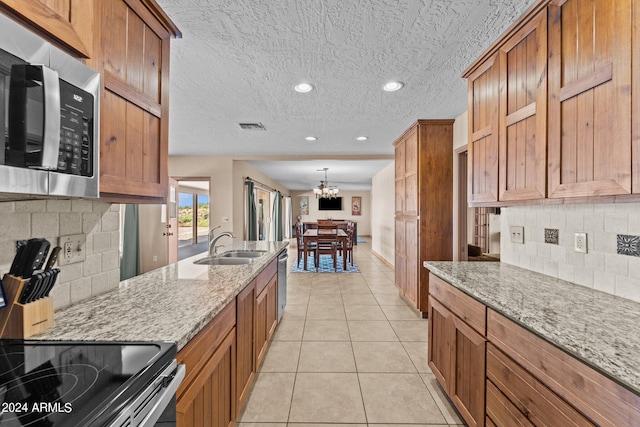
193	216
478	229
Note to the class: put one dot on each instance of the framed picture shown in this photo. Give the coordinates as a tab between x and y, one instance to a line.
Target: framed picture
304	205
356	205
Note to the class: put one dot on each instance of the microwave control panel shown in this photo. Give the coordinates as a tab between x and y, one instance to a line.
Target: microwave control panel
76	131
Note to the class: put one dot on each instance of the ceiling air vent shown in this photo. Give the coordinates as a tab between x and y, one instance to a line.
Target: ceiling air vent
252	126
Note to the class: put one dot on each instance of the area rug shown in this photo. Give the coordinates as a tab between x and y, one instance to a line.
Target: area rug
360	240
326	266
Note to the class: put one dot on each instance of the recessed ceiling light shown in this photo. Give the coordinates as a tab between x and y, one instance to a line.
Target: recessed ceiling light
392	86
303	87
361	138
311	138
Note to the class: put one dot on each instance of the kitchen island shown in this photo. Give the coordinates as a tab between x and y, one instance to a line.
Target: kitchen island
581	343
222	318
171	303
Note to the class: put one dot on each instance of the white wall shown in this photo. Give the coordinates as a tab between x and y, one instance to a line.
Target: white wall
460	138
99	273
383	213
601	268
363	220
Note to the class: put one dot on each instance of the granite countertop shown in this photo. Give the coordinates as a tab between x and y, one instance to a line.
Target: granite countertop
172	303
599	329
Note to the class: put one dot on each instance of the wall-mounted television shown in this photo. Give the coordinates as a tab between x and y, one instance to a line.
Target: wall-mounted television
334	204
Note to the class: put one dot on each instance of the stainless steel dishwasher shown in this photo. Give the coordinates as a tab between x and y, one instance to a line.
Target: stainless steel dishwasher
282	282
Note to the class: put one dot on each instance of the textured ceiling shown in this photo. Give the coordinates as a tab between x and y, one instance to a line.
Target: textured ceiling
239	60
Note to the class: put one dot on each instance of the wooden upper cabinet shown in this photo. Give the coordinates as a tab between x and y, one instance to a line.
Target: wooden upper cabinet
134	59
66	22
484	94
590	97
523	112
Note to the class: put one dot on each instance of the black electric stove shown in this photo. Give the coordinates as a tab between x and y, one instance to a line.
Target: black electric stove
47	383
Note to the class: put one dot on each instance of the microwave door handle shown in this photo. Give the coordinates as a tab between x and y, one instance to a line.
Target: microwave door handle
51	131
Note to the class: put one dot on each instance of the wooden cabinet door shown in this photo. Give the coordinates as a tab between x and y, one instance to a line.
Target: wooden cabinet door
467	375
411	261
261	331
272	306
245	322
439	346
400	255
68	22
484	96
589	97
134	56
523	112
399	176
209	401
411	173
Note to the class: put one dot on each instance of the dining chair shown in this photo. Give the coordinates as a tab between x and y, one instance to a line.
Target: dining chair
311	247
327	244
348	249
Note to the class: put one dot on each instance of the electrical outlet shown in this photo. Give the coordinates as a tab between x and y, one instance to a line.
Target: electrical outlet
517	234
73	249
580	242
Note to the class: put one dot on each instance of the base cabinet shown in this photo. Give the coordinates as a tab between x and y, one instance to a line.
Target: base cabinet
223	358
210	399
266	318
497	373
245	353
457	358
207	395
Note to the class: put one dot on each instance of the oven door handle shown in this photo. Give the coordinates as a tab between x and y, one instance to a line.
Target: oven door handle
163	399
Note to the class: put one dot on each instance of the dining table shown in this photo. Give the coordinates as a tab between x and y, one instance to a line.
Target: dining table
312	234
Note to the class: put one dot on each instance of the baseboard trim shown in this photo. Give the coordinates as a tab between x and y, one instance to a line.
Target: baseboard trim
381	258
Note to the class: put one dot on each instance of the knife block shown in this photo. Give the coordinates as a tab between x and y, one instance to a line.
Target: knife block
23	320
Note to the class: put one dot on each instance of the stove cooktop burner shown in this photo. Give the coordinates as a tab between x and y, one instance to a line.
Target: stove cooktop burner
73	384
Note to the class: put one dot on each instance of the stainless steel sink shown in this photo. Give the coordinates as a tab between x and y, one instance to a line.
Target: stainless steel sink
224	261
243	254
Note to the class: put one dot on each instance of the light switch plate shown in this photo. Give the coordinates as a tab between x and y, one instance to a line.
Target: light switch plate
73	249
580	242
517	234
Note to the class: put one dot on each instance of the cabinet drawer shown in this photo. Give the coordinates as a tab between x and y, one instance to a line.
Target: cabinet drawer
596	396
199	349
501	411
462	305
265	275
532	398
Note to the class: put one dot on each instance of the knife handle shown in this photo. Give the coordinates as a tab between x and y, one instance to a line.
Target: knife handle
52	258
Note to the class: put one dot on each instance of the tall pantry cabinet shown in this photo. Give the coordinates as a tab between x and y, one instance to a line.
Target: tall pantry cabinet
423	205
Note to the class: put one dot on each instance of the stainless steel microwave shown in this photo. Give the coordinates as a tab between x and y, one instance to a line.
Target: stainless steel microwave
49	119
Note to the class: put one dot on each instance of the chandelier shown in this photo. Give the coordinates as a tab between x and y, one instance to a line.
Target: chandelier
323	191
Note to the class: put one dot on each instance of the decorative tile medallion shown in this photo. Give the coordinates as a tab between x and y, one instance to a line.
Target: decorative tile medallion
628	245
551	235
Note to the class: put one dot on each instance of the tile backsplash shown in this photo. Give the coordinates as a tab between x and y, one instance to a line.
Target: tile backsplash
603	267
50	219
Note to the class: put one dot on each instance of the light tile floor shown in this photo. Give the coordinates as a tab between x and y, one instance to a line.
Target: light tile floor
348	351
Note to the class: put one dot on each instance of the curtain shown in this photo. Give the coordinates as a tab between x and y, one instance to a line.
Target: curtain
277	217
130	263
252	214
287	218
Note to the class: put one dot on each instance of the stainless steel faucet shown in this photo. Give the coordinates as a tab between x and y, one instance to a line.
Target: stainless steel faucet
213	240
